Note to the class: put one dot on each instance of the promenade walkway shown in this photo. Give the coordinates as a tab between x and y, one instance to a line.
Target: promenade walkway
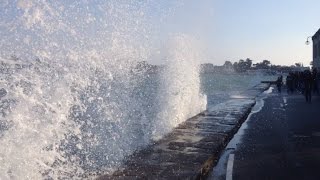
280	141
192	149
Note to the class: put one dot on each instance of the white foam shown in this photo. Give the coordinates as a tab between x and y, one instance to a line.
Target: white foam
181	97
80	108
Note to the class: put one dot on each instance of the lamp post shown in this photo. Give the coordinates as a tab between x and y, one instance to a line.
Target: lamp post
308	42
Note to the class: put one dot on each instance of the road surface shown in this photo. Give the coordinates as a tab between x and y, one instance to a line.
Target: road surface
279	140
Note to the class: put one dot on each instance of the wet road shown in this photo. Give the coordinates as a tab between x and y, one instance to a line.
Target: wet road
279	140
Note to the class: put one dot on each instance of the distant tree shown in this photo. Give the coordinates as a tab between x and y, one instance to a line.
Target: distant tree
228	64
265	64
248	63
206	67
235	66
298	64
242	65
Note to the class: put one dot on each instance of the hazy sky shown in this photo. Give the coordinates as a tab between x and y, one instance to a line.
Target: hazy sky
275	30
257	29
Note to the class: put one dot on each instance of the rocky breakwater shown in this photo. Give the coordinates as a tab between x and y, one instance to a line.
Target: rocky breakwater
193	148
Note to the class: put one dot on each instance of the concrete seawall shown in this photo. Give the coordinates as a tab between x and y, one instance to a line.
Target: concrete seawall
193	148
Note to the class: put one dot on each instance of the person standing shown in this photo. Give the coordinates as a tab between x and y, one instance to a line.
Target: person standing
279	83
315	81
307	78
289	83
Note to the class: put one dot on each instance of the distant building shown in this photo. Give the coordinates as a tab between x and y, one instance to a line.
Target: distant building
316	49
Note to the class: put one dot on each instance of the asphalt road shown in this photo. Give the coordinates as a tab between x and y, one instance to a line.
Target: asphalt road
279	140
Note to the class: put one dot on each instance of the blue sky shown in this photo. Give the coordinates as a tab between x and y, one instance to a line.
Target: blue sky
231	30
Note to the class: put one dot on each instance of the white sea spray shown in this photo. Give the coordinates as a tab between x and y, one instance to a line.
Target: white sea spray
76	102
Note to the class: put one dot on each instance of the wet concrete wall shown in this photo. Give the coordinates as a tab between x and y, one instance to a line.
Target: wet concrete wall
193	148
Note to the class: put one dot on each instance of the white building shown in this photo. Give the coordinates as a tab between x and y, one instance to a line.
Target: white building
316	49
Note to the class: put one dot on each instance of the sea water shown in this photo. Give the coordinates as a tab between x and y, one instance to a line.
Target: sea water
220	87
